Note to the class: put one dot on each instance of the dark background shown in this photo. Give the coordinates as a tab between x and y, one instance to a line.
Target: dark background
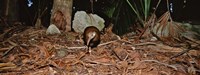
182	12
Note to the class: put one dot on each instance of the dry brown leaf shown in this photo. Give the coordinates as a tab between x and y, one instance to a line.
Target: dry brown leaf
151	71
10	58
121	53
135	55
101	50
165	73
191	70
109	29
43	52
48	45
131	56
122	65
181	70
138	65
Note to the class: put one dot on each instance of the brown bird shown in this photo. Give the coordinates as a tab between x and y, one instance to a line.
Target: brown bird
91	37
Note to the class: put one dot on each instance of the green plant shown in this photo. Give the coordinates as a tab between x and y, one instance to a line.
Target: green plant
163	27
121	14
143	13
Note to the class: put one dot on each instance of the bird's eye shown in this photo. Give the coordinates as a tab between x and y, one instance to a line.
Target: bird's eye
94	34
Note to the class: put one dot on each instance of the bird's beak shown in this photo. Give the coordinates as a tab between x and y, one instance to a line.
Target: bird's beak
88	41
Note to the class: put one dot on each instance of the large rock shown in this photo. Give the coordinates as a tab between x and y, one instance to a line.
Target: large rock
83	20
52	29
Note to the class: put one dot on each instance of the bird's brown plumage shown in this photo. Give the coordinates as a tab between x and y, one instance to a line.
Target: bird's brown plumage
88	38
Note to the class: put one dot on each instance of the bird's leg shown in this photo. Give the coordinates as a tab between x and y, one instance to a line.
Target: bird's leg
89	50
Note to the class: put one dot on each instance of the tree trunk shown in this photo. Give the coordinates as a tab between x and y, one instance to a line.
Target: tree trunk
61	14
9	11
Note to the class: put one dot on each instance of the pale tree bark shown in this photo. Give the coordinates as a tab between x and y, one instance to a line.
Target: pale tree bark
61	14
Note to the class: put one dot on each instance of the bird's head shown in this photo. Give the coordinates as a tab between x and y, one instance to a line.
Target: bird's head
90	35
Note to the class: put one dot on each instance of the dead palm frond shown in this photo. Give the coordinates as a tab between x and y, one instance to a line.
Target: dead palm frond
166	27
148	25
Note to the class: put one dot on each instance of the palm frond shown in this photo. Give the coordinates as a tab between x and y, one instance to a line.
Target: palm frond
141	9
122	16
166	27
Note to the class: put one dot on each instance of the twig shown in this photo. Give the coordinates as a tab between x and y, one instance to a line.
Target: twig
22	54
190	39
160	39
192	59
127	42
82	47
11	48
156	36
145	43
96	62
184	51
4	49
7	66
161	63
107	43
156	61
12	43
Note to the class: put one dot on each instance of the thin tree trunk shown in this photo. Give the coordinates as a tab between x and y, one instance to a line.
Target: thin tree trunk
10	13
61	14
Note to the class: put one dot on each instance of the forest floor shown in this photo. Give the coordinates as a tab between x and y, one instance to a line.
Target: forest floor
30	51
